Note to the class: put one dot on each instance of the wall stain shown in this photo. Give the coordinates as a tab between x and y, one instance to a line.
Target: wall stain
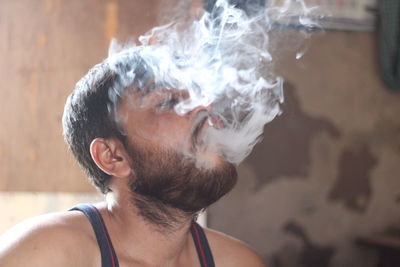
111	20
285	150
41	41
396	200
51	6
353	185
32	155
310	254
33	94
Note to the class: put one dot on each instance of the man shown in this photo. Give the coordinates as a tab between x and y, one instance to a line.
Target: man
120	124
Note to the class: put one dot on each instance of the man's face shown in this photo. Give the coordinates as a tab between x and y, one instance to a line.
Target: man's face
164	148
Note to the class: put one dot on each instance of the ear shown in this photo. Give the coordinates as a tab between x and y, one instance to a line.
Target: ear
111	157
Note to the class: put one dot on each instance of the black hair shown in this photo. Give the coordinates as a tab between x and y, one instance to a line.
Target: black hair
251	7
91	111
87	116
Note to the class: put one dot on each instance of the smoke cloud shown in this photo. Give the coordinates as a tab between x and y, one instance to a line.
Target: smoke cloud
224	60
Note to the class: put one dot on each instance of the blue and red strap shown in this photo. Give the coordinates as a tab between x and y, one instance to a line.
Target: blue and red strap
108	255
202	246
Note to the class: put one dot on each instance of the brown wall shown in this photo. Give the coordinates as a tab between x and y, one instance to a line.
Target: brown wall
326	172
328	169
45	48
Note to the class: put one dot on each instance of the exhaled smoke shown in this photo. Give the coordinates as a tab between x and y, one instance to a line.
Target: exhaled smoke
224	60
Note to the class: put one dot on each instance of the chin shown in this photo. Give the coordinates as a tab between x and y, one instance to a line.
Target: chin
209	160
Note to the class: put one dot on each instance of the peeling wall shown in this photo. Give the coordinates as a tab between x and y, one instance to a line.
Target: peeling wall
326	172
328	168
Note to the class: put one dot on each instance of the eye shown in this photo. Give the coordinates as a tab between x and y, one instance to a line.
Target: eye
167	100
169	103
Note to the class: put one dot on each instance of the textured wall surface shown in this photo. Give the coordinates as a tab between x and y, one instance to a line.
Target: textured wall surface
328	168
45	48
18	206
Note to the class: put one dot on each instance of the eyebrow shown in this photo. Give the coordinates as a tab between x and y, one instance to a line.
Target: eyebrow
152	87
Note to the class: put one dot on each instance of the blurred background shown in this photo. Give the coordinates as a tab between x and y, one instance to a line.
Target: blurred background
321	190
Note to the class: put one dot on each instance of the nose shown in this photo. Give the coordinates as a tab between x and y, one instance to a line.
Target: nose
198	109
213	120
201	109
199	114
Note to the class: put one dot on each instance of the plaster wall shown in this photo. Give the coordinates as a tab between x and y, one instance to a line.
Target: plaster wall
326	172
328	168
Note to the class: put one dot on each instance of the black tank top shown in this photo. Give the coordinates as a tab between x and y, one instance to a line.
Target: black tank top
108	256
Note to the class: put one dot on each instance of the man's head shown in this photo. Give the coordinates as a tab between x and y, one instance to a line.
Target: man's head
86	117
120	123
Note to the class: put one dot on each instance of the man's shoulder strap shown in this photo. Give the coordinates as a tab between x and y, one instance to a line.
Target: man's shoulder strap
108	256
202	246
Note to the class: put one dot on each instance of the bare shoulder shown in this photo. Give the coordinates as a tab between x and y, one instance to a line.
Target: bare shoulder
49	240
231	252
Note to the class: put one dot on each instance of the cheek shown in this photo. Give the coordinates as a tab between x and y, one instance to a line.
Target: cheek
174	130
169	129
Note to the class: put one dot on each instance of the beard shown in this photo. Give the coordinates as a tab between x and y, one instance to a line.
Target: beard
165	181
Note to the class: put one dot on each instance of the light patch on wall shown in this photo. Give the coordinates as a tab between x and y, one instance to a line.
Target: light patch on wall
18	206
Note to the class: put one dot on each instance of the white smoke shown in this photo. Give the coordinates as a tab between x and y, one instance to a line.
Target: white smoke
224	59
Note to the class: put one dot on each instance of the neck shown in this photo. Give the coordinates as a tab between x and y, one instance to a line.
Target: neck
142	240
162	218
